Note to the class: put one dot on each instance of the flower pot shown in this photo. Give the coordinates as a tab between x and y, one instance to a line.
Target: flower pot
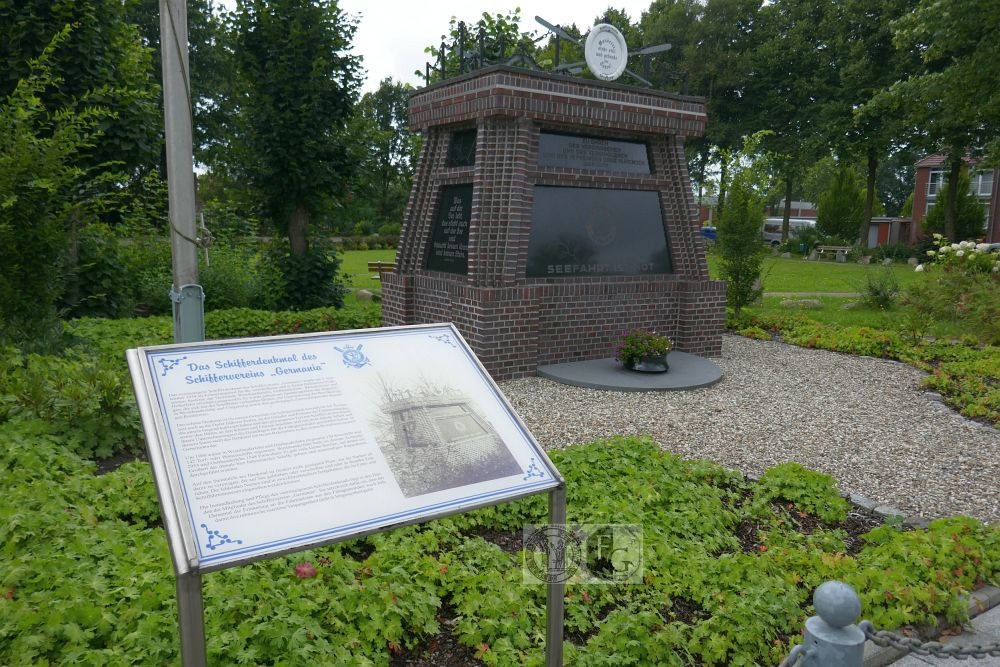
655	364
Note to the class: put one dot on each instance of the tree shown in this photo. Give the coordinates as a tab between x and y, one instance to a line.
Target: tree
39	175
719	66
866	61
740	249
299	91
842	206
789	83
952	100
387	168
212	69
970	217
102	60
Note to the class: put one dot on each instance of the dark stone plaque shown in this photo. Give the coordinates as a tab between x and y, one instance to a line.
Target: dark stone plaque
449	248
462	149
592	231
579	152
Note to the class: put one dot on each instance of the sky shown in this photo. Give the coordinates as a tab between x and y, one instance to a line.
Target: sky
392	34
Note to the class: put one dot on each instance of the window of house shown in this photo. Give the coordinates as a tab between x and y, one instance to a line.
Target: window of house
934	182
982	183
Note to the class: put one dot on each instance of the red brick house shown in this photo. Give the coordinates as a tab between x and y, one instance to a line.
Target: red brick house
931	175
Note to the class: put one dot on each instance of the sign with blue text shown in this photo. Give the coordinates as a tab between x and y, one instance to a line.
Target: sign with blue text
272	445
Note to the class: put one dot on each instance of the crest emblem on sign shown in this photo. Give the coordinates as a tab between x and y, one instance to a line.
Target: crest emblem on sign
353	356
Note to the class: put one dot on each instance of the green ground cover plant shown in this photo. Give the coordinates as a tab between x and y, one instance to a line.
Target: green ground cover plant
729	566
729	563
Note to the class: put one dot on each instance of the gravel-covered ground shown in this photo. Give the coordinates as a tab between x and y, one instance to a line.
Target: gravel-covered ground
865	421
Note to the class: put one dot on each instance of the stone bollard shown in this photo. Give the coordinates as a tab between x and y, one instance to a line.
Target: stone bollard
831	638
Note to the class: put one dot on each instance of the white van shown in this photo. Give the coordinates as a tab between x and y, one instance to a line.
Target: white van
772	228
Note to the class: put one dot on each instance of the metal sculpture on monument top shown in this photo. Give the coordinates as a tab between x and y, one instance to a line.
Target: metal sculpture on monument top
551	212
605	48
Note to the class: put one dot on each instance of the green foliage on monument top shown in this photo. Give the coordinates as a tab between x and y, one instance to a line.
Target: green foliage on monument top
468	46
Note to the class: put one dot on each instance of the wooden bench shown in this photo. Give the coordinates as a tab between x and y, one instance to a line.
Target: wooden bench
832	249
378	268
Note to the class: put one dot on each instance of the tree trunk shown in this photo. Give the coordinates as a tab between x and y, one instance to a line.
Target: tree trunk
723	175
298	224
866	215
951	200
788	210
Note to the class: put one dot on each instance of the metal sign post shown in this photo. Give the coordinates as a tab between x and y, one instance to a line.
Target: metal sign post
555	598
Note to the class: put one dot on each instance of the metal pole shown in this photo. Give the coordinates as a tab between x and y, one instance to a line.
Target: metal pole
189	317
192	620
556	577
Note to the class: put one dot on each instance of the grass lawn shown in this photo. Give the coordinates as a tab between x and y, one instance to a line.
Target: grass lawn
798	275
780	275
354	267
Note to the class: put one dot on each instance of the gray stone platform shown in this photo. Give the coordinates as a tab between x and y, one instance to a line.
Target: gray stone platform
687	371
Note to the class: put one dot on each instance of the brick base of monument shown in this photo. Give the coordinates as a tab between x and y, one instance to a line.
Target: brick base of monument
513	330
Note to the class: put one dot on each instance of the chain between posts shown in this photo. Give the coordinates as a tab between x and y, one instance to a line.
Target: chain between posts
888	639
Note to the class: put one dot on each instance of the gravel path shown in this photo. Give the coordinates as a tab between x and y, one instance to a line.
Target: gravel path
865	421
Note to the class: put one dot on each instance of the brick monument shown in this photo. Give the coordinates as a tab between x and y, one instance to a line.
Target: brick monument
548	215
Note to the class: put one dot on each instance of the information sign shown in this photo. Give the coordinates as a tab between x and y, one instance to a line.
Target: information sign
272	445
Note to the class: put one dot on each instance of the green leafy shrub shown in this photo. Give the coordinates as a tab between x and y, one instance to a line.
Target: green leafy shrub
897	252
880	289
148	265
228	277
98	283
88	403
809	491
920	570
961	284
301	282
85	575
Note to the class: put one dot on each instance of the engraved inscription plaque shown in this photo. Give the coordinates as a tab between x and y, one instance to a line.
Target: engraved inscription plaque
593	231
580	152
462	149
449	247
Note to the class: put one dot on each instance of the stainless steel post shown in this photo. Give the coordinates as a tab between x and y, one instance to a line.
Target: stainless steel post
556	577
191	620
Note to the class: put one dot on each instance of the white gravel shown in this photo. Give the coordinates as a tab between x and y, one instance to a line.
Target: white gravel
865	421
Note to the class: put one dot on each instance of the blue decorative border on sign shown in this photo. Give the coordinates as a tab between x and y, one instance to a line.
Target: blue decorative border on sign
373	523
214	535
169	364
533	471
